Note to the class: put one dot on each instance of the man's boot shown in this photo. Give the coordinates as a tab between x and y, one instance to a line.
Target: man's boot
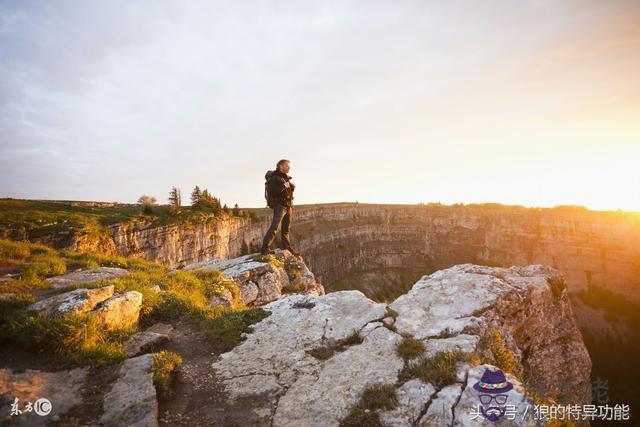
294	253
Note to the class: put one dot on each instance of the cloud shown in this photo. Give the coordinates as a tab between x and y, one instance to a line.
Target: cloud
107	102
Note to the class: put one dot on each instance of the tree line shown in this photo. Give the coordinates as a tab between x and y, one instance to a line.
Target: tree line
201	200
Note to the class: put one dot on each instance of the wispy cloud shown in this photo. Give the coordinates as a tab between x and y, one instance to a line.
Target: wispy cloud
377	101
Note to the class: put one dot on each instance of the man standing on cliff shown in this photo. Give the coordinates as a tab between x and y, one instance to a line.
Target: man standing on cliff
279	193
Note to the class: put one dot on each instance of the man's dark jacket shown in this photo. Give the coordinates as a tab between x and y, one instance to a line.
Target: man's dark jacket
278	190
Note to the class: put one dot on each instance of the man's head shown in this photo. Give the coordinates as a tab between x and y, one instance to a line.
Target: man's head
283	165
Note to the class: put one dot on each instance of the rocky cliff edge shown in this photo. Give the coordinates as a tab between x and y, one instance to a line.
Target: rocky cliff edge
342	359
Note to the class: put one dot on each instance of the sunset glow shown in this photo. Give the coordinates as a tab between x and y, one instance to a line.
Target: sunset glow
534	103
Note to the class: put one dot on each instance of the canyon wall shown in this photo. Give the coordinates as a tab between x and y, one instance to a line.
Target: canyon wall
342	239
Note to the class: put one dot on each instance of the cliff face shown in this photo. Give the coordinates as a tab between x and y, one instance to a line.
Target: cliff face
588	247
339	240
310	362
180	244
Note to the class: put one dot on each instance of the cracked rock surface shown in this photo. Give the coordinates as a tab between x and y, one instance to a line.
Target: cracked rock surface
460	308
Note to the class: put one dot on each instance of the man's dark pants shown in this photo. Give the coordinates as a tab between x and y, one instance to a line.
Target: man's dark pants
280	214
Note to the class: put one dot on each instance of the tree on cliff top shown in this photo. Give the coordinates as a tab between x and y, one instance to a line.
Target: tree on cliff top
147	202
211	202
175	201
195	196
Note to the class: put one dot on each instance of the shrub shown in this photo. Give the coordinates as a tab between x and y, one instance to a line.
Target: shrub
13	252
165	364
503	357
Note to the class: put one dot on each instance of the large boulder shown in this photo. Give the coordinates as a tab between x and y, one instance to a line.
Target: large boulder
309	362
77	301
120	311
131	401
262	279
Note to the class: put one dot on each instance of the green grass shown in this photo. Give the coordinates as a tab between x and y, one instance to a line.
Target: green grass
439	370
270	258
503	357
32	219
165	364
410	348
374	397
37	262
78	340
74	340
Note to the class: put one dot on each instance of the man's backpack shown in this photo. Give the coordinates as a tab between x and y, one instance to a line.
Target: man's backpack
269	197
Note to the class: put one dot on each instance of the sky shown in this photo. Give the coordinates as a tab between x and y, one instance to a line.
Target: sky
535	103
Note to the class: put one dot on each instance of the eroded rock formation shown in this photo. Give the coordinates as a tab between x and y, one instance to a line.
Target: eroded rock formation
313	357
262	279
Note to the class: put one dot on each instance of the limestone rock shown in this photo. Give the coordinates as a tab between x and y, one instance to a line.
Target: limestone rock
144	342
275	358
132	398
440	411
461	306
261	282
301	368
327	397
74	302
468	403
62	389
412	397
85	276
120	311
225	298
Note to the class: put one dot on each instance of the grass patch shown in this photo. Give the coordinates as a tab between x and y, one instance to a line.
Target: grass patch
226	326
43	265
14	252
37	262
327	351
439	370
503	357
14	304
410	348
374	397
322	353
270	258
31	219
75	340
165	364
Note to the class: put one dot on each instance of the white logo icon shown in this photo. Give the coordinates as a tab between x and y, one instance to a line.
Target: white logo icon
42	406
